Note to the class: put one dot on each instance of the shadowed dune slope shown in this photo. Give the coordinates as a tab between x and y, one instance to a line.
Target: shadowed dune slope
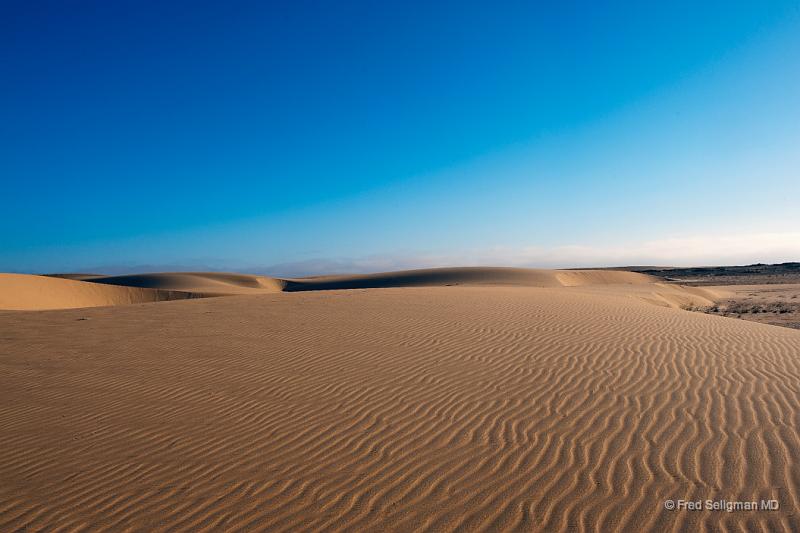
428	278
78	276
27	292
204	282
520	277
422	409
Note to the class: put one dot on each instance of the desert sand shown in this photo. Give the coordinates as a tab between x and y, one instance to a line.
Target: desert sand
437	400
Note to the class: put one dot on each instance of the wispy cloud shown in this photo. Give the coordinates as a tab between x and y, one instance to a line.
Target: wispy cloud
676	251
682	250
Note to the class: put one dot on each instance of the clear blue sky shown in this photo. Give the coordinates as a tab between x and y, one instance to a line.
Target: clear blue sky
301	137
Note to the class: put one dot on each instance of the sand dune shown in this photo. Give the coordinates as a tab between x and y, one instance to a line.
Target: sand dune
25	292
218	283
633	284
423	408
28	292
81	290
475	276
231	283
659	294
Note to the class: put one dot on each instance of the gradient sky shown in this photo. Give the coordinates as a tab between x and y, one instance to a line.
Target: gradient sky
298	138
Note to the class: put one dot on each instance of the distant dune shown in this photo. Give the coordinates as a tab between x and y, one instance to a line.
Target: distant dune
213	283
476	276
440	400
91	290
26	292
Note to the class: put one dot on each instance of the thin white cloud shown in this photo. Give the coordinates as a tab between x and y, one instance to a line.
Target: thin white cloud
675	251
694	250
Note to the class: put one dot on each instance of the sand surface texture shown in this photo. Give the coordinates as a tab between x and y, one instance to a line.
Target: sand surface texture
525	404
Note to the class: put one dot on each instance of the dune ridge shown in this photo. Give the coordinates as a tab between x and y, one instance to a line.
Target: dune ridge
428	408
25	292
221	283
90	290
473	276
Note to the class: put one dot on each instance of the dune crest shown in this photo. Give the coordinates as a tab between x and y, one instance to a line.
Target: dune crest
27	292
580	278
216	283
23	292
473	276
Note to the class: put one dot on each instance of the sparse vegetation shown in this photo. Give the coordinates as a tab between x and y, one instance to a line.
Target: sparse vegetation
777	313
727	275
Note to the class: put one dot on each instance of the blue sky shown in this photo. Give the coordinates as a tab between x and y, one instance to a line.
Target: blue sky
297	138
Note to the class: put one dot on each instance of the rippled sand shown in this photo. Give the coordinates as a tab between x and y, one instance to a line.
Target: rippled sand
397	409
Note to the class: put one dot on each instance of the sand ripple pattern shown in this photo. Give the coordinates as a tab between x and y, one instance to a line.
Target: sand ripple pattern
414	409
